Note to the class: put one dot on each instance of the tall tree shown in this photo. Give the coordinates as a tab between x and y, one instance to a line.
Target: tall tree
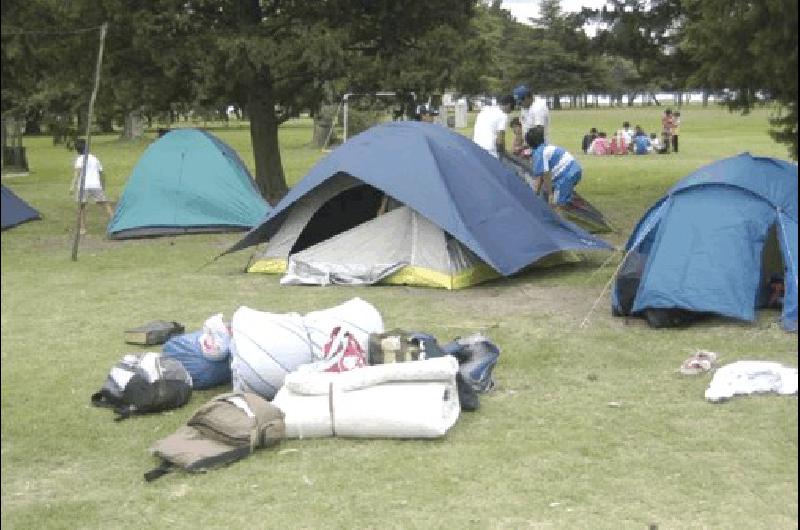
748	49
49	48
272	57
646	33
275	56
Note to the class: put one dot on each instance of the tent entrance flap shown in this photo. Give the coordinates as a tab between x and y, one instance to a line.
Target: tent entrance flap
372	251
772	267
344	211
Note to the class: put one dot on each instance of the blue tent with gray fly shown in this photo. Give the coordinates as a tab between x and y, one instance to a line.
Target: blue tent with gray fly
410	203
723	241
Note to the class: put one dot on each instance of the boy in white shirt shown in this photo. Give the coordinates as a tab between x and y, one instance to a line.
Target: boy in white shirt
491	124
655	143
92	184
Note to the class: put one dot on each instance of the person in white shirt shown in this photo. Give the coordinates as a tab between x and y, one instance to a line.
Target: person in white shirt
655	143
490	126
537	114
523	98
627	135
92	184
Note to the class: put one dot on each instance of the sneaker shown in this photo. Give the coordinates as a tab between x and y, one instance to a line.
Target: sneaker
701	361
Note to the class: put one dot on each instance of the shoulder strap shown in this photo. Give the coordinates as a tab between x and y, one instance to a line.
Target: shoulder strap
221	459
157	472
124	412
99	400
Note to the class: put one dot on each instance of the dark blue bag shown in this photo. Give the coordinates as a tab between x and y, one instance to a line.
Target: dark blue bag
205	372
477	357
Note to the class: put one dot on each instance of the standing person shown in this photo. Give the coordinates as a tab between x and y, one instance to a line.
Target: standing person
93	184
523	99
676	125
490	126
556	171
537	114
667	123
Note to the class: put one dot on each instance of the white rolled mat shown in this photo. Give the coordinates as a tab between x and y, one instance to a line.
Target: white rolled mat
416	399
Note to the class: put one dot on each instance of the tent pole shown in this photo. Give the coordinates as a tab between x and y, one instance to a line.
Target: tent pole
81	203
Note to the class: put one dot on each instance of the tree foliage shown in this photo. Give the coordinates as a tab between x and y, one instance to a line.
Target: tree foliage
276	58
644	32
750	50
272	57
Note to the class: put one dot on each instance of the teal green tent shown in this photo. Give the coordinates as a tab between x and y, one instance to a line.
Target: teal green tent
188	181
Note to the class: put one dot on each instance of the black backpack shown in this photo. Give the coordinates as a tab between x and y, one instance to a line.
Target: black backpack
144	382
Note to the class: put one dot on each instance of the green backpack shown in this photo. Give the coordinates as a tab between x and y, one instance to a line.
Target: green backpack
224	430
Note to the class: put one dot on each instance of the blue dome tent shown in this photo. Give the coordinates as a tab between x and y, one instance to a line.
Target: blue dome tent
410	203
713	244
15	211
187	181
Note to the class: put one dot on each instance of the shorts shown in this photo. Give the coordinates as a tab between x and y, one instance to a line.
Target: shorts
96	195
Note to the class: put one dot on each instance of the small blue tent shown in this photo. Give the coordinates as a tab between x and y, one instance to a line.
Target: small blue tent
187	181
414	203
15	211
712	244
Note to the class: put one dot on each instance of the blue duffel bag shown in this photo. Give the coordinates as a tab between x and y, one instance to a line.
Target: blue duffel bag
205	372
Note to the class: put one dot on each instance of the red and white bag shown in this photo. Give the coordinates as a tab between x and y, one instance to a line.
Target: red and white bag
341	353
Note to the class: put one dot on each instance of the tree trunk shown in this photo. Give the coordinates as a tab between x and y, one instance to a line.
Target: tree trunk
134	126
705	98
270	179
323	122
33	125
106	124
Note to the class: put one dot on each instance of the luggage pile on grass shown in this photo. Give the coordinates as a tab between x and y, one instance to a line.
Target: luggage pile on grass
333	372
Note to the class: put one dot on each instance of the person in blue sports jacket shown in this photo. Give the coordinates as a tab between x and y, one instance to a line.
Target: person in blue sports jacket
556	171
641	142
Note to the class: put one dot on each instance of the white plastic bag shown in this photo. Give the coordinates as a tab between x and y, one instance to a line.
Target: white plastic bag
216	338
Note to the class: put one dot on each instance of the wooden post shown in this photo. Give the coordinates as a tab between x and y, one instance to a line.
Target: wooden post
81	203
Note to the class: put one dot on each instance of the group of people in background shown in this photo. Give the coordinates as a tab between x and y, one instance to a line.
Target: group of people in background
555	170
635	141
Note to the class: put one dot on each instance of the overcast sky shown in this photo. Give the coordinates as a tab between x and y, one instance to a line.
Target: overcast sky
525	9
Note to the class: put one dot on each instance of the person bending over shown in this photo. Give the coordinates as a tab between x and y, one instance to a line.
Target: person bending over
556	171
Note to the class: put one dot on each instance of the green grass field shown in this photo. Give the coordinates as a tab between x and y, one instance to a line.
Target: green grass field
590	427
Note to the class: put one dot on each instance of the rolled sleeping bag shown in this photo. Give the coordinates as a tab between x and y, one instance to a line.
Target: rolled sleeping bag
415	399
359	317
266	347
207	371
